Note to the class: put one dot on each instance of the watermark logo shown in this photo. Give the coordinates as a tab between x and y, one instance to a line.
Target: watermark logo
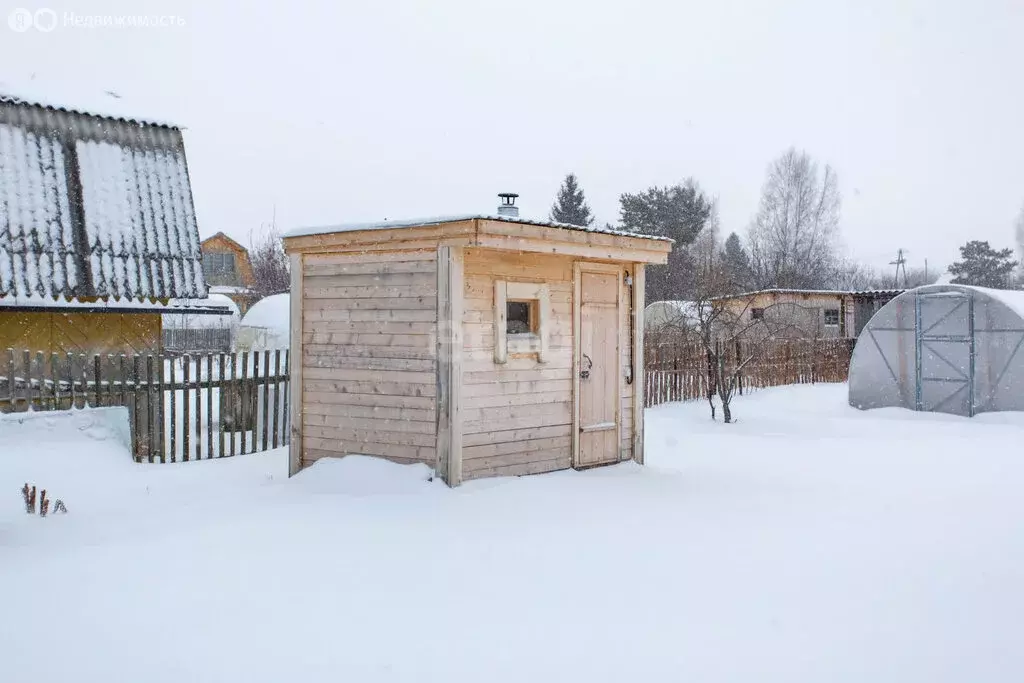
45	20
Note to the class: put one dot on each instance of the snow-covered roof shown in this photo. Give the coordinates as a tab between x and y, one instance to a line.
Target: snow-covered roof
436	220
103	103
272	312
94	207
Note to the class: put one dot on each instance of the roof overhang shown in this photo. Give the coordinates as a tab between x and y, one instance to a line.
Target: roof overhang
484	232
42	305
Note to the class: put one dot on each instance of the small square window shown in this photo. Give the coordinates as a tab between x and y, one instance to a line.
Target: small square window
832	317
757	314
521	312
518	317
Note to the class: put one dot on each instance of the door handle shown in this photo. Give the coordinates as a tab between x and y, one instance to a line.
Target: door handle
585	370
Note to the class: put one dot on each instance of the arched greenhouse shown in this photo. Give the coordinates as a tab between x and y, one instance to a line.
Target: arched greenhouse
942	348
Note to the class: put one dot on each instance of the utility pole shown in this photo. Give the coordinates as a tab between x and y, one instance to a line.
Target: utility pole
900	263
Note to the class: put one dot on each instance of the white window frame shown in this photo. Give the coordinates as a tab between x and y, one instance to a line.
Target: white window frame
824	315
525	343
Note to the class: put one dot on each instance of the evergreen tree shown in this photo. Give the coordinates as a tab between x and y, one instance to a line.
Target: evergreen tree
737	264
570	205
982	266
680	212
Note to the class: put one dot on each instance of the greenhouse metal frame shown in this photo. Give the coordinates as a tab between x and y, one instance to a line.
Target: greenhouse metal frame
943	348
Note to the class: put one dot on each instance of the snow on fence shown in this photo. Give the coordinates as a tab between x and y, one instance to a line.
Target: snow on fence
180	408
678	371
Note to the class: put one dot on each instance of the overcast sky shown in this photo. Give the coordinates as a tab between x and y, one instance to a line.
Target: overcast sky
349	111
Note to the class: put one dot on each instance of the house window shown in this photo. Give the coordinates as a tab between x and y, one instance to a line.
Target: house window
520	319
831	317
219	269
757	314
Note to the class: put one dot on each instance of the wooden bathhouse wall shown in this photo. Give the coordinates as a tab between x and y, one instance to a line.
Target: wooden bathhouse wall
368	371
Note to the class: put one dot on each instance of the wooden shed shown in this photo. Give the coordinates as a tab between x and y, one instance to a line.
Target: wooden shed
479	345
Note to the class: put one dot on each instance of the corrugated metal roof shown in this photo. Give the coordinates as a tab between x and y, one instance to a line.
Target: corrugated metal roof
436	220
94	207
108	107
825	292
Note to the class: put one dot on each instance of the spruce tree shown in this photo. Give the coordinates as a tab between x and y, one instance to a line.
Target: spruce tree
983	266
570	205
680	212
737	264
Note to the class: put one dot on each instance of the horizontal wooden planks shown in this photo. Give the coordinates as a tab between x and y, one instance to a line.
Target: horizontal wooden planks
373	400
516	415
516	466
369	356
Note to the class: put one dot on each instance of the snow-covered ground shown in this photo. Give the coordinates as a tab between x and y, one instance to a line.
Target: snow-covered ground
808	542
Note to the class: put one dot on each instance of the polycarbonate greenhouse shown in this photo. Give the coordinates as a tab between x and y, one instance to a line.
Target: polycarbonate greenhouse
942	348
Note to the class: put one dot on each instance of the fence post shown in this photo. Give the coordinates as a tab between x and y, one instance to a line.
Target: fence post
199	407
220	407
26	380
150	408
209	405
286	429
243	390
174	411
186	423
230	400
277	393
266	399
161	430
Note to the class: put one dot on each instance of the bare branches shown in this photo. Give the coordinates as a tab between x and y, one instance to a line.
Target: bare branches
269	263
793	237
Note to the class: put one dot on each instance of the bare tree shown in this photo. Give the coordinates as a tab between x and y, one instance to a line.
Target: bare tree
270	271
855	276
792	239
730	331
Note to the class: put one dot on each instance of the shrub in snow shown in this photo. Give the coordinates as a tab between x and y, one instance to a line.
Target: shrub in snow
29	494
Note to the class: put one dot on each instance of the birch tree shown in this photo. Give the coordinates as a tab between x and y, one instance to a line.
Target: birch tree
792	239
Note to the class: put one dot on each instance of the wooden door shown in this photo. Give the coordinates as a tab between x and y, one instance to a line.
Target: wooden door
598	379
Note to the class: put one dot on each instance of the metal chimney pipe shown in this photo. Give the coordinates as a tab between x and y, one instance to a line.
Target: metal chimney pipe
508	204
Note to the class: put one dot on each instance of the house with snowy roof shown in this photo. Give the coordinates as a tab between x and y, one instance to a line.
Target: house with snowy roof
228	270
97	230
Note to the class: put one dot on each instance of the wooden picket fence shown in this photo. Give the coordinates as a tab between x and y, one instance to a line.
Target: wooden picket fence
679	371
180	408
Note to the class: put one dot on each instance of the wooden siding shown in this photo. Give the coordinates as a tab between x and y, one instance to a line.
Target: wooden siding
517	415
369	362
81	333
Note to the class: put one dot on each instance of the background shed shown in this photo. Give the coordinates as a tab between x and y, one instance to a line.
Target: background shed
942	348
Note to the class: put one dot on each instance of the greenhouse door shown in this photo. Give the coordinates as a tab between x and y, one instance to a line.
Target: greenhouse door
945	353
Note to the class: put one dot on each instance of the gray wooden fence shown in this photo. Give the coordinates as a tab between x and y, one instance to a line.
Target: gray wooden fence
180	408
